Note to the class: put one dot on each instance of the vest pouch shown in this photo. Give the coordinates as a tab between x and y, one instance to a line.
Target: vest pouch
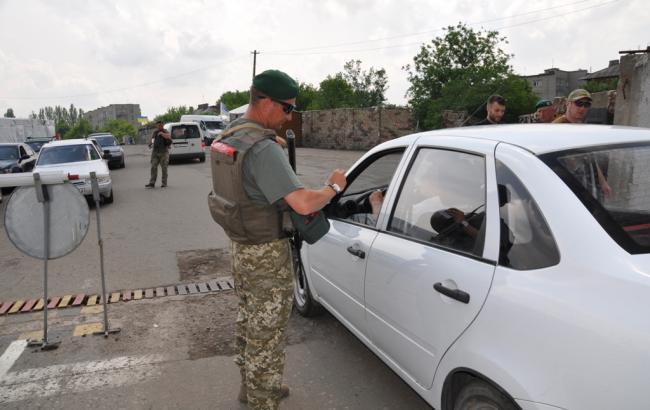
227	214
311	227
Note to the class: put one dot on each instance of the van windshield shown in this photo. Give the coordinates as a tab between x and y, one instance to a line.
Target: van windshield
214	125
181	132
613	182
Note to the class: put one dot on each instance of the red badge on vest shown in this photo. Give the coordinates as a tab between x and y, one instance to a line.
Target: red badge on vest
222	148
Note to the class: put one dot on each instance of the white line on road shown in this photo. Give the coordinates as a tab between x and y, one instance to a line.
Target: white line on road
10	356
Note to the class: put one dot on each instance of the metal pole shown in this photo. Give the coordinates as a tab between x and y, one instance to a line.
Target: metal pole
43	196
96	197
291	147
255	53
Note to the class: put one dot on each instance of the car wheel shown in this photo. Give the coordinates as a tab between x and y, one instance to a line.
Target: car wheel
202	158
123	164
480	395
109	199
302	298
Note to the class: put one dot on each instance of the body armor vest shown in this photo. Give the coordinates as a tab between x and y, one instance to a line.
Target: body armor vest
243	220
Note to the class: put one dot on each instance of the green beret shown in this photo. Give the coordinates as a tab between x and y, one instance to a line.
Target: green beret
543	103
276	84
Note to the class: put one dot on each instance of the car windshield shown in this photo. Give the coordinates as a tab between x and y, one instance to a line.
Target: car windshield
36	145
185	131
8	152
613	182
106	140
214	125
67	153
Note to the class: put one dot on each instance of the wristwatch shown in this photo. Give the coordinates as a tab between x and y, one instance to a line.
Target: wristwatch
464	223
335	187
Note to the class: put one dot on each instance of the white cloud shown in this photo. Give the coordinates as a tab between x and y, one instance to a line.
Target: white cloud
164	53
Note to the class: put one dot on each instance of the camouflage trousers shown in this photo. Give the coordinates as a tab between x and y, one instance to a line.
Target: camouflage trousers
157	158
263	278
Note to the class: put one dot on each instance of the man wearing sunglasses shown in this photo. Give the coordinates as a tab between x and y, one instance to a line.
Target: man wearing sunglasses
253	186
577	106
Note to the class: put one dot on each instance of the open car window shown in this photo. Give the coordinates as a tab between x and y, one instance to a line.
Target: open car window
613	183
442	200
355	204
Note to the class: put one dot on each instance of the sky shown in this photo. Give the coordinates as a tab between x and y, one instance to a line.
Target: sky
168	53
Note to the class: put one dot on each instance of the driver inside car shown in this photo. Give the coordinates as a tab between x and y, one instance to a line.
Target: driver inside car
376	199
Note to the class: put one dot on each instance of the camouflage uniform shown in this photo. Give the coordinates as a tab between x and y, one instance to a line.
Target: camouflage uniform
264	283
159	156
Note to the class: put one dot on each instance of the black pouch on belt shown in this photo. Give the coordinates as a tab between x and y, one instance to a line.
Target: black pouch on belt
311	227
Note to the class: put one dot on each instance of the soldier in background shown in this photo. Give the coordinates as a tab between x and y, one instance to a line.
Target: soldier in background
496	109
578	104
544	111
160	142
253	185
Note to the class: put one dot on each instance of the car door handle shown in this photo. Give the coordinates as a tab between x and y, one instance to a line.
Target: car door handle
457	294
357	252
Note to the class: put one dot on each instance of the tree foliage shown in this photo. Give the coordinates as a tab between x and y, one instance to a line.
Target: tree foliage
120	128
307	97
80	129
595	86
459	71
64	118
10	113
174	114
234	99
368	87
335	92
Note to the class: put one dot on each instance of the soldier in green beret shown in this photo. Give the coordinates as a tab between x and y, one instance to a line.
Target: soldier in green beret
253	185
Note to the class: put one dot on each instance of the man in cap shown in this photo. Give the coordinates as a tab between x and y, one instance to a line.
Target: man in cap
577	106
253	185
544	111
496	109
160	142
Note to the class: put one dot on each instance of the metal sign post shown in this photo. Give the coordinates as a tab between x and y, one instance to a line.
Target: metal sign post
43	197
97	198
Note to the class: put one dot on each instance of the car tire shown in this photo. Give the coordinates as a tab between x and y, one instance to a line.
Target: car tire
303	301
478	394
123	164
202	158
109	199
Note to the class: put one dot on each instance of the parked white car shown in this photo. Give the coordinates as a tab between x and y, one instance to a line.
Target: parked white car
77	158
508	267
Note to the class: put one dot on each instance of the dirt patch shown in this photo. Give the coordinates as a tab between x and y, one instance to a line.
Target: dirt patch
203	264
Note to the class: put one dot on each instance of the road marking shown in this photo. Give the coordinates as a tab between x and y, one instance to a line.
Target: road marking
87	329
10	356
79	377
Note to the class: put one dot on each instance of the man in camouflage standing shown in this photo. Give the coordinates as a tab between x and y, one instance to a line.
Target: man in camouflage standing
160	141
253	185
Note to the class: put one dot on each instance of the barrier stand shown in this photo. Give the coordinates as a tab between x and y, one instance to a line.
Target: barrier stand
44	198
96	197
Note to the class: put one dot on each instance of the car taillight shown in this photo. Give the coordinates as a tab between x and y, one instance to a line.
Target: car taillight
73	177
202	145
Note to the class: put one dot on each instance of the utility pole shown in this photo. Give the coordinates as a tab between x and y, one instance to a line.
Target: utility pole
254	53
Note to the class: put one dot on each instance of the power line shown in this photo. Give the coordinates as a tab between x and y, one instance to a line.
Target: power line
296	51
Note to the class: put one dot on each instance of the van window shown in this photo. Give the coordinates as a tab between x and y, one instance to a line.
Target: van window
214	125
181	132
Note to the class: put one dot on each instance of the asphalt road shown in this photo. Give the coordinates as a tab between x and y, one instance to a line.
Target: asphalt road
176	351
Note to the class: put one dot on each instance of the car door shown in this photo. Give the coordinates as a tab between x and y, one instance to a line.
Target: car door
431	266
337	262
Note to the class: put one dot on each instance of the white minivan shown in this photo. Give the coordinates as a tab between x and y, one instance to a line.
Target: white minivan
211	125
187	141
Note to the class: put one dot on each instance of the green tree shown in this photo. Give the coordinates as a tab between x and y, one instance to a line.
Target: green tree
174	114
120	128
10	113
234	99
595	86
335	92
368	87
64	118
307	97
79	130
459	71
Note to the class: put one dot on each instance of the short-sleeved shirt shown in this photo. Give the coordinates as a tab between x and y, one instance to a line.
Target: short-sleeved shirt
268	176
159	142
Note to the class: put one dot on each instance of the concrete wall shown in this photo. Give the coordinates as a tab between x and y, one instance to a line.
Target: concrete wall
633	92
19	129
354	128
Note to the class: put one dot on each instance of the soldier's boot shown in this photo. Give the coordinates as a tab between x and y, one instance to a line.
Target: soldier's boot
243	393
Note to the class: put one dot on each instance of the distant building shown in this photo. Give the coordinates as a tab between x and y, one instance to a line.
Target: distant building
129	112
606	75
143	120
554	82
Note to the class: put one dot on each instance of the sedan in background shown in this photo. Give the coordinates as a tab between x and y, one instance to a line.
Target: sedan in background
15	157
112	150
36	143
77	158
496	267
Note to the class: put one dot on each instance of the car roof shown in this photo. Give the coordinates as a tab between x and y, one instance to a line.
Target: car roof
181	123
540	138
59	143
11	143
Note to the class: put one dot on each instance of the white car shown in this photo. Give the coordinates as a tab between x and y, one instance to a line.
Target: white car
187	142
508	267
77	158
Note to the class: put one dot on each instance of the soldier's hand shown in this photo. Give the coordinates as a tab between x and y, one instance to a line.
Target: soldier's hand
337	177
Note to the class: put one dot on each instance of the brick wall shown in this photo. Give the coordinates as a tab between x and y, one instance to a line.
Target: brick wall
354	128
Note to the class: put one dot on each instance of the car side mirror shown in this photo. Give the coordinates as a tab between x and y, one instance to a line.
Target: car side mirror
24	157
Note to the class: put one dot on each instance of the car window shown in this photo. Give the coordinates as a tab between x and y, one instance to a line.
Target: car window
22	151
185	132
67	153
442	200
8	152
214	125
526	241
106	141
376	173
612	183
